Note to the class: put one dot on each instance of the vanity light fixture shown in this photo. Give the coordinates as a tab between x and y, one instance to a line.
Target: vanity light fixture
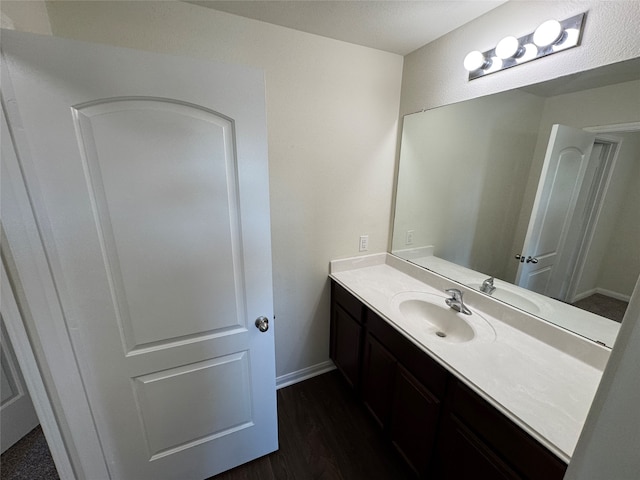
550	37
476	60
548	33
508	47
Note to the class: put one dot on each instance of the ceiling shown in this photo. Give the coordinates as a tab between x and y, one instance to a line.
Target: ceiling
396	26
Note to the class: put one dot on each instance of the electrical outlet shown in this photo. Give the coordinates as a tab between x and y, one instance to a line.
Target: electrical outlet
364	243
409	239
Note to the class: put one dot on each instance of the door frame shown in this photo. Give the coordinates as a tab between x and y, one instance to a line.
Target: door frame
50	368
594	210
17	336
604	134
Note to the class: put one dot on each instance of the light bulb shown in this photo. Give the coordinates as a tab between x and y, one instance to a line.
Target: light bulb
530	52
475	60
508	47
548	33
494	65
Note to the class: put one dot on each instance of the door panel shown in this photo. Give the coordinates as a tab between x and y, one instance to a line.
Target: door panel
149	181
17	415
186	392
176	201
556	212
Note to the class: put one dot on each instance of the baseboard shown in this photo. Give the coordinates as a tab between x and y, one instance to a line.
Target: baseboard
602	291
612	294
304	374
582	295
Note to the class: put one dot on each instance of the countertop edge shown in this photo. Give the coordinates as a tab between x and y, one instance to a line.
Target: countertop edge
459	376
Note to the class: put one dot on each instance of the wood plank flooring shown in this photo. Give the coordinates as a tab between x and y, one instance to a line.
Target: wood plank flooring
324	434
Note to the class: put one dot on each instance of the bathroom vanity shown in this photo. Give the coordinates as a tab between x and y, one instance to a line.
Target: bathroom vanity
495	394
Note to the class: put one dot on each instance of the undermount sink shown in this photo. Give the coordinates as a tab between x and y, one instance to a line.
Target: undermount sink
427	316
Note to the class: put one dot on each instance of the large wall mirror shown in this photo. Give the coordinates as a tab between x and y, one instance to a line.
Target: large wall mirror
538	188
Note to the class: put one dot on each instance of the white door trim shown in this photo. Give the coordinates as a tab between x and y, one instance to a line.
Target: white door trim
615	128
32	378
77	449
595	211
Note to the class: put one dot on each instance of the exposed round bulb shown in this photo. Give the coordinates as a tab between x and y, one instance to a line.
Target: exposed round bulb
548	33
474	60
529	53
508	47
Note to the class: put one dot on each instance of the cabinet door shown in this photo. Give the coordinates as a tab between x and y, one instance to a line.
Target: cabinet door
514	446
414	421
346	338
463	455
378	375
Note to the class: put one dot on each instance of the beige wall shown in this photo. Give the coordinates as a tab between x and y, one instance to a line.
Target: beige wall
620	268
332	110
610	105
29	16
463	172
433	76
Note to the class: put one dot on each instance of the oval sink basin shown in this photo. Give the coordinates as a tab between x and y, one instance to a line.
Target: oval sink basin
514	298
445	322
427	317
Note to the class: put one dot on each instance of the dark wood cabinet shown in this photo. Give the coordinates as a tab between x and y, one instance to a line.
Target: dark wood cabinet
461	454
378	379
523	454
440	426
415	414
346	334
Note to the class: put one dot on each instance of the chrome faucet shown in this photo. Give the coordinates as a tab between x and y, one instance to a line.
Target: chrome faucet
456	302
487	286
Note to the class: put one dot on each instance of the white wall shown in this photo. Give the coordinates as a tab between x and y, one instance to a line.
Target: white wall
332	111
433	76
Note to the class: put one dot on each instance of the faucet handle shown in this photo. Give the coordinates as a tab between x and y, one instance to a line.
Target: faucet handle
455	294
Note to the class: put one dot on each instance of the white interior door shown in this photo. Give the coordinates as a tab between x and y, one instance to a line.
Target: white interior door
17	415
552	236
148	177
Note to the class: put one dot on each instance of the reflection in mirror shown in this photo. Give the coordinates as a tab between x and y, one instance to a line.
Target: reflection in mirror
537	187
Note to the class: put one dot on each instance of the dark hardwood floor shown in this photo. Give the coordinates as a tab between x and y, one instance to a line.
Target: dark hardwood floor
324	434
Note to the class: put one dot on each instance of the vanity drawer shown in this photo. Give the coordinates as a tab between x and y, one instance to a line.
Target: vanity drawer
417	362
507	440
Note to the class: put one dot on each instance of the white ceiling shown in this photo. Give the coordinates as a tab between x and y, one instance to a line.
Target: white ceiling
397	26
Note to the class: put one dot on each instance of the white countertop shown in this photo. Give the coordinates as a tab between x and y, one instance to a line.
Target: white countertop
542	377
582	322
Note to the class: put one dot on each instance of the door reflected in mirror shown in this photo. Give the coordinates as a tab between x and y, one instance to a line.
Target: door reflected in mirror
549	174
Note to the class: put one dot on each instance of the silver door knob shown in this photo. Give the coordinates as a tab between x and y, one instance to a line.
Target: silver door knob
262	324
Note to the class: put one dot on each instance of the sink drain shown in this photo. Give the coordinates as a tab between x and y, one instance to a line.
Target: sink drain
441	334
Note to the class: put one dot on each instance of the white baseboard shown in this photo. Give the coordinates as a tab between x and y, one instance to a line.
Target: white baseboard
304	374
603	291
612	294
582	295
